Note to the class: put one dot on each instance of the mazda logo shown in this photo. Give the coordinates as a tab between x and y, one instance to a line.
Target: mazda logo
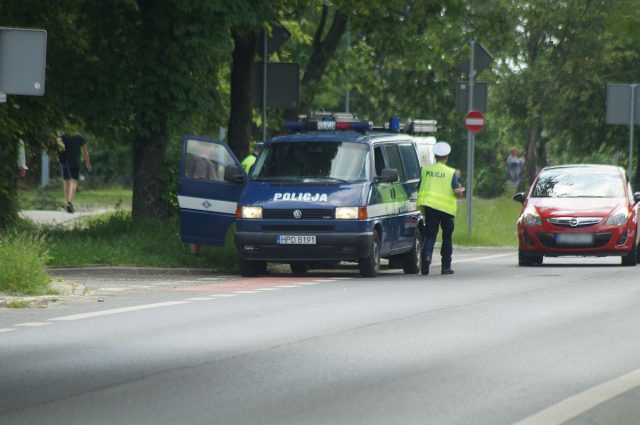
297	214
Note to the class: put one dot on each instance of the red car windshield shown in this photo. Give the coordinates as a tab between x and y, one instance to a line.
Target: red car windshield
567	183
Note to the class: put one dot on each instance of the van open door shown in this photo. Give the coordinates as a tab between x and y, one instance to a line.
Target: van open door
207	200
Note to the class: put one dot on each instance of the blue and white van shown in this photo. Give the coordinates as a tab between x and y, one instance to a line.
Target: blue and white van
318	196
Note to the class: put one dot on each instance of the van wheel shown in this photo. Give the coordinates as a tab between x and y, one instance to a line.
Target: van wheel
370	266
411	261
251	268
631	258
298	267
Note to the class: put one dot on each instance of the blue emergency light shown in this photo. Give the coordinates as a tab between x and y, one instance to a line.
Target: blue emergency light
327	125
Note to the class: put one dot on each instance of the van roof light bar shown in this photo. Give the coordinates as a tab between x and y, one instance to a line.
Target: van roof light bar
421	126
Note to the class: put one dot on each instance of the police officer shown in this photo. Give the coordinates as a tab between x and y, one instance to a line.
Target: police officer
250	159
439	188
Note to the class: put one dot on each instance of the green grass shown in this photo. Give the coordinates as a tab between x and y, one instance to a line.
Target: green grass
114	239
52	197
23	258
493	224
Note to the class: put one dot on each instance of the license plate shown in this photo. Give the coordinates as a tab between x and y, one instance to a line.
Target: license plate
574	238
295	240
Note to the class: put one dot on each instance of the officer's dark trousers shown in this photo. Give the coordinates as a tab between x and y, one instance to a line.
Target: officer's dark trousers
433	220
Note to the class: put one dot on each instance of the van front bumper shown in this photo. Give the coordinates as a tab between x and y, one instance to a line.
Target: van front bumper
328	246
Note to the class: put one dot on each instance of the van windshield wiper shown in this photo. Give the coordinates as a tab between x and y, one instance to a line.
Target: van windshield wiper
326	179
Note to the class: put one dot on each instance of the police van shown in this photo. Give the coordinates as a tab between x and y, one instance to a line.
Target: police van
333	190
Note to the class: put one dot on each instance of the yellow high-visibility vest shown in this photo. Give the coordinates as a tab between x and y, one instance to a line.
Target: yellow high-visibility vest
435	188
248	162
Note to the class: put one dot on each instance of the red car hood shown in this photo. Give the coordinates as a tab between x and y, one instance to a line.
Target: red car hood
583	207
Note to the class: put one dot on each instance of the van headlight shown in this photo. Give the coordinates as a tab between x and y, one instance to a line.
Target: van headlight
618	218
251	212
346	213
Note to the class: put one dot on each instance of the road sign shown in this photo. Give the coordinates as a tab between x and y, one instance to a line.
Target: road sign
22	61
474	121
482	59
619	104
479	97
283	82
275	40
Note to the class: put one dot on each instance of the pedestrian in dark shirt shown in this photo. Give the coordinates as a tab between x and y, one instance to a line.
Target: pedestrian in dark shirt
74	147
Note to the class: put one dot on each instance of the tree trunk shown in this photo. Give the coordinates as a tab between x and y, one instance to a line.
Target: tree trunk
240	120
8	184
323	51
536	157
148	187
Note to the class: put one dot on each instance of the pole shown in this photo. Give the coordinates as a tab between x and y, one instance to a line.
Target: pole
631	124
347	94
264	86
470	141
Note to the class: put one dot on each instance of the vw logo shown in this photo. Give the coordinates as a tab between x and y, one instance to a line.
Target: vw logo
297	214
573	222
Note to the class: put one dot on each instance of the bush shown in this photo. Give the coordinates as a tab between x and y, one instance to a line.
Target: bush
22	264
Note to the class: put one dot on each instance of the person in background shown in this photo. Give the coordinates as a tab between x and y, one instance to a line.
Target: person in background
514	168
437	193
69	157
248	162
22	160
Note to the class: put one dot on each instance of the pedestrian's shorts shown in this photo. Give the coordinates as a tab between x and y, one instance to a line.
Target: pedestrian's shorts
69	172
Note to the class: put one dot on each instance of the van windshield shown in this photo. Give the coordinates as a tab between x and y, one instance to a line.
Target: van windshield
314	161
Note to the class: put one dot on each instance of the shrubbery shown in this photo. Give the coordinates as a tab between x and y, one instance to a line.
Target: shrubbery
23	259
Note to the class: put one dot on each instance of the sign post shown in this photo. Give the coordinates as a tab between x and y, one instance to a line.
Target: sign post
623	108
480	59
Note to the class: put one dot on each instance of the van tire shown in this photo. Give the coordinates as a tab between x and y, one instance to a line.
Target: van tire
298	267
251	268
370	265
411	260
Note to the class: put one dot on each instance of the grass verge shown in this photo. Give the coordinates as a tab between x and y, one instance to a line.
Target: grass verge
23	258
493	223
114	239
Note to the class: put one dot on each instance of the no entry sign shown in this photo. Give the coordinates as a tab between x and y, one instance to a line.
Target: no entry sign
474	121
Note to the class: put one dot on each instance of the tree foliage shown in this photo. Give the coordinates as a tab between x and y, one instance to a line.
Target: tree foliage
138	73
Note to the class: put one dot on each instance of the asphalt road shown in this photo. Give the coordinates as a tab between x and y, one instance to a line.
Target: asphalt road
493	344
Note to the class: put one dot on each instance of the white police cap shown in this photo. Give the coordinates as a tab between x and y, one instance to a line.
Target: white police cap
441	149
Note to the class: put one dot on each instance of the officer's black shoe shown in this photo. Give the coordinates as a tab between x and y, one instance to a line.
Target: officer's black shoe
69	208
447	271
424	267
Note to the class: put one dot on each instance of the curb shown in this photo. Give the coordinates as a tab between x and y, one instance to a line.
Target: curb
124	270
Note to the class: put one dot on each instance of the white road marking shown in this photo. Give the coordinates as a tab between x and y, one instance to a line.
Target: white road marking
325	280
113	289
6	330
33	324
222	296
288	286
200	299
268	289
118	310
245	292
314	282
576	405
486	257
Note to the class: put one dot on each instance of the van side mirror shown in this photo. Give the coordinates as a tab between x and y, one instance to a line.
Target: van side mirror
234	174
388	175
519	197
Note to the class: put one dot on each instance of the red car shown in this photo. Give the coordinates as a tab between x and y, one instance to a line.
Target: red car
583	210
